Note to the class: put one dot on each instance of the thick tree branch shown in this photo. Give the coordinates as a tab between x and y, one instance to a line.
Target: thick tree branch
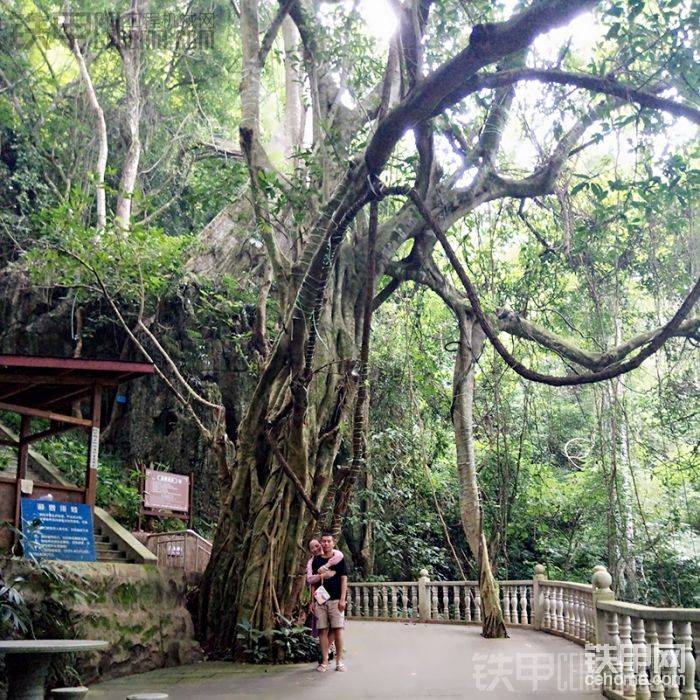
604	85
520	327
313	508
614	370
487	45
271	33
130	52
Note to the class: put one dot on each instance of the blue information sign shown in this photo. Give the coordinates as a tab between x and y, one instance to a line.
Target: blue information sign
55	530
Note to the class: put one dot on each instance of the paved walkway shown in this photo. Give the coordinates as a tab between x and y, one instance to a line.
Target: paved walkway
390	660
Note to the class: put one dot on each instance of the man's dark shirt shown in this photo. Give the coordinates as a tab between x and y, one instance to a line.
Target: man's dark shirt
332	584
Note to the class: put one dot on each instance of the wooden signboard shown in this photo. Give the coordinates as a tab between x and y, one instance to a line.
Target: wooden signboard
166	495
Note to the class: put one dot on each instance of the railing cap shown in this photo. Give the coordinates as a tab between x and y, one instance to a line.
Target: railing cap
648	613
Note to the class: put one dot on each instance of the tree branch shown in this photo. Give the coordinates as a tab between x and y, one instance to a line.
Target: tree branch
604	85
609	372
487	44
516	325
292	476
99	118
272	30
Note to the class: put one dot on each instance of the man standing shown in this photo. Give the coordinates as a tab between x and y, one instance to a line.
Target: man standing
331	615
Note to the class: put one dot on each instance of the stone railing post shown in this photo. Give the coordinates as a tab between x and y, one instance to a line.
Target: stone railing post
424	596
601	582
538	596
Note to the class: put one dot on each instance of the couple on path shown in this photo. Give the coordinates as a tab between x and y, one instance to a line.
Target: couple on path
327	574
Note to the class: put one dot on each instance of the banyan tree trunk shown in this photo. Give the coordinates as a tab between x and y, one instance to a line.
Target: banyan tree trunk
471	340
286	445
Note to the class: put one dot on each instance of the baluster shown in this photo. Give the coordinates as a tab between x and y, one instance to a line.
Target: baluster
365	602
514	604
571	605
696	643
385	602
557	610
477	604
613	630
468	603
591	618
505	598
684	638
629	680
375	601
414	602
652	636
669	662
395	601
640	659
560	608
436	607
547	600
524	617
457	602
578	614
566	610
348	609
445	603
575	613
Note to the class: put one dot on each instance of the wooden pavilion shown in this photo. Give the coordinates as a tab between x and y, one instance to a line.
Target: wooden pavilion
48	389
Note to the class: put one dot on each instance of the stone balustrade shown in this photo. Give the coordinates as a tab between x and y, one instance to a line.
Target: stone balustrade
646	653
642	652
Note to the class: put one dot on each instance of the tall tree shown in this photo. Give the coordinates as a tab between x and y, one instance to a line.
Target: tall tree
315	237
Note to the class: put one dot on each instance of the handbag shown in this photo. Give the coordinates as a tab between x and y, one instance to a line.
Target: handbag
321	595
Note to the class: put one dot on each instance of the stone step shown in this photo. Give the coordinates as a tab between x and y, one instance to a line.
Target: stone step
111	555
105	547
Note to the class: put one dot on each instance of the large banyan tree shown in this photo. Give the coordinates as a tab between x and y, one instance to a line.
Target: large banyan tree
381	152
363	206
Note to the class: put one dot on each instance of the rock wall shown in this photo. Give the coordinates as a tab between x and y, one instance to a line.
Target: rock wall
140	610
147	424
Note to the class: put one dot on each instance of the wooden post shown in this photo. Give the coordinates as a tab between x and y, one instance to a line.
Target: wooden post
190	511
22	459
142	491
93	446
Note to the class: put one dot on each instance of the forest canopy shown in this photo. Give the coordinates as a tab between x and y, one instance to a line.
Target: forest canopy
423	272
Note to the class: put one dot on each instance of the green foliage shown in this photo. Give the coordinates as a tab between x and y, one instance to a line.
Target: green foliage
14	616
117	483
286	643
143	266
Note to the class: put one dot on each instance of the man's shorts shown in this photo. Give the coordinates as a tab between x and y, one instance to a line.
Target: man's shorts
329	615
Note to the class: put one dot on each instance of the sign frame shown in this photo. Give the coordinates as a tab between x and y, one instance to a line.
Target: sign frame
148	513
60	516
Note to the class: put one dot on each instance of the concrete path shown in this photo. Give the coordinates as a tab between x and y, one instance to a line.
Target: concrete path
390	660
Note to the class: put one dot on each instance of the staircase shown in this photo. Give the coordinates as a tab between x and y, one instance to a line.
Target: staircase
106	550
113	543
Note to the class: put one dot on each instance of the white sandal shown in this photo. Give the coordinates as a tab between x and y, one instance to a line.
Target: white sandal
340	666
322	668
